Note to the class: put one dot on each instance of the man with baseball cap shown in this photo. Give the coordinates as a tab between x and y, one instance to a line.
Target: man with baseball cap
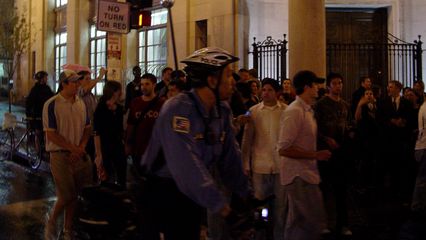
305	217
67	127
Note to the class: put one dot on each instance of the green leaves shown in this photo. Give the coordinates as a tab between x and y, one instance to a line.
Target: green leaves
14	36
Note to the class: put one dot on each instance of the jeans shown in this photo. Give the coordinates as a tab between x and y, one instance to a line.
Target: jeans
305	217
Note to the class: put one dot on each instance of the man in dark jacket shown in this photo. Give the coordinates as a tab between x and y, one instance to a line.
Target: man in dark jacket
38	95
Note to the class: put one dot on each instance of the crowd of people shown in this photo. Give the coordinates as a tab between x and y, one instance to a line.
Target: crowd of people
203	136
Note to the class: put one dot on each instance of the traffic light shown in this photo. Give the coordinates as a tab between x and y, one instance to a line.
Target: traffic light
139	16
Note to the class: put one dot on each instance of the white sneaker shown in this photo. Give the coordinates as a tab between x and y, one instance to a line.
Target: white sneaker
346	231
325	231
50	232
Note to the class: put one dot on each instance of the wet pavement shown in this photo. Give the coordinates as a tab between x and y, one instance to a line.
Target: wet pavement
25	197
25	194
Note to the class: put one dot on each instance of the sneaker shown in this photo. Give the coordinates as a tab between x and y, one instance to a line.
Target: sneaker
50	229
346	231
67	235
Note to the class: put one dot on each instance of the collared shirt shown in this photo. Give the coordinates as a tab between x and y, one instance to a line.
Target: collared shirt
89	100
298	129
181	133
67	118
260	138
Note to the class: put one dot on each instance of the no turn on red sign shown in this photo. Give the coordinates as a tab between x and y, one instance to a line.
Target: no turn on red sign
113	16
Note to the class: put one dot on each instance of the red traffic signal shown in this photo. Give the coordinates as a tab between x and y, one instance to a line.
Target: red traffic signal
139	18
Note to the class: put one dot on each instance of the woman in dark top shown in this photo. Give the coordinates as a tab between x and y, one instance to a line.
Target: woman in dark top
108	128
368	133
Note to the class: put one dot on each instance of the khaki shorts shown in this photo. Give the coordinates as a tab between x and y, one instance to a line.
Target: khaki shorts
69	179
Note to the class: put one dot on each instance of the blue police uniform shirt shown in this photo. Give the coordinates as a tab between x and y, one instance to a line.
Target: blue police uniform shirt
179	132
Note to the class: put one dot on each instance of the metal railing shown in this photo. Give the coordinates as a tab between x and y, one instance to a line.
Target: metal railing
270	58
394	60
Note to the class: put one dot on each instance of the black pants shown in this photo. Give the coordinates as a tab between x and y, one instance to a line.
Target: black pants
334	183
163	208
115	164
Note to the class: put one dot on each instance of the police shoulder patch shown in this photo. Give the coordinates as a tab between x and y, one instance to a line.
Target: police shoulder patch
181	124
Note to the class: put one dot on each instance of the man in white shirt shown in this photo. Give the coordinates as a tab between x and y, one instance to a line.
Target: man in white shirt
260	157
305	216
67	127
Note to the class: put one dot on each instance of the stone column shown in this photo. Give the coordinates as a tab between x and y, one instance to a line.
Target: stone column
307	46
78	32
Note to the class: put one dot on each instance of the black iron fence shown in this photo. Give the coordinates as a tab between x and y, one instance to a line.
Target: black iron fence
395	60
270	58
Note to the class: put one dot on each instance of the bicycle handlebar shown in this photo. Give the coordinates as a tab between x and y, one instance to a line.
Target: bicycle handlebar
26	119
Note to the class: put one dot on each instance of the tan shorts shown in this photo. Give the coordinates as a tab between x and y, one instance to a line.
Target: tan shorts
69	179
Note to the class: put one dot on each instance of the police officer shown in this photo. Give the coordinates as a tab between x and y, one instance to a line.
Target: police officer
193	135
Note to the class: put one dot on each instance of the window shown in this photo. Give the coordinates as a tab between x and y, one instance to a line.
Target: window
60	3
200	34
97	55
153	44
60	55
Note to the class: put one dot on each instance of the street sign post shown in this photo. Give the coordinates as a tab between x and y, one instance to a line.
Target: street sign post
113	17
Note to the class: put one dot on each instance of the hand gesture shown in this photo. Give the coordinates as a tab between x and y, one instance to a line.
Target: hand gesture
102	72
332	144
364	100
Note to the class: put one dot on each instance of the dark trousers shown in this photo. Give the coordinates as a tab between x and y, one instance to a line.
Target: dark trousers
394	167
115	164
163	208
334	183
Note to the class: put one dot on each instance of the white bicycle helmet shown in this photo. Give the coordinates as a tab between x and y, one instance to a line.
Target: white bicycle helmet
210	57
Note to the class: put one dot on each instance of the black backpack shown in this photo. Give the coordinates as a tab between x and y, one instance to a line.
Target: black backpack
106	212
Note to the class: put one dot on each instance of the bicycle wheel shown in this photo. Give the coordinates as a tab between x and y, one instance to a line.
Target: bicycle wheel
5	145
33	150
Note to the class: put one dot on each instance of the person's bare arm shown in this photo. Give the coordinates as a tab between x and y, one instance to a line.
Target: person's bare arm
297	152
92	84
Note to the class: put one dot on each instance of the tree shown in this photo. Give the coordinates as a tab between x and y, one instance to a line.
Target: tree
14	39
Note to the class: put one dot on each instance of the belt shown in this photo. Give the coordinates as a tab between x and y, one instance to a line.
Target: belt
60	151
85	158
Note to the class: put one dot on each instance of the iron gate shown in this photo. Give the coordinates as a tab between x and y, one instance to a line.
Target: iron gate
382	62
395	60
270	58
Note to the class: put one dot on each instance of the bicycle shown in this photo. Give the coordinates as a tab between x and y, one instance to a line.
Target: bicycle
33	144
